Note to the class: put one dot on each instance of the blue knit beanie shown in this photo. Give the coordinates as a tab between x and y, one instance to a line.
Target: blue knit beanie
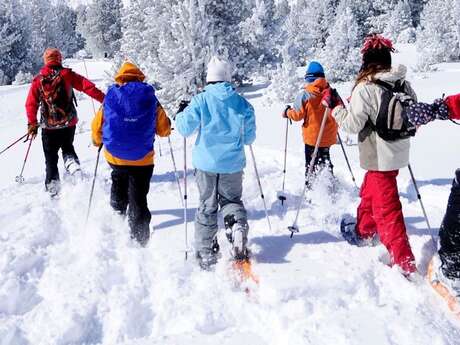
314	71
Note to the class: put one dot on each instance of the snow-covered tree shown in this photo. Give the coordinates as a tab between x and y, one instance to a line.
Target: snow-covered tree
340	55
438	34
100	25
22	78
399	27
178	49
41	29
260	35
285	82
66	37
416	7
134	41
13	40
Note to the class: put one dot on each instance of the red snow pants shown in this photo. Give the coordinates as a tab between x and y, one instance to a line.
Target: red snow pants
380	212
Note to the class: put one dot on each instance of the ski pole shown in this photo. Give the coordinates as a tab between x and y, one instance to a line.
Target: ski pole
346	159
294	228
282	196
176	175
10	146
20	178
159	146
87	77
92	185
260	186
419	197
185	198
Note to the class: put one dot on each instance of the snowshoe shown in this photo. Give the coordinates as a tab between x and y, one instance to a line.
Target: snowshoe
447	288
206	260
437	276
348	230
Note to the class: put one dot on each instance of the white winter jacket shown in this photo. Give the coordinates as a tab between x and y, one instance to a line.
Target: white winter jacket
375	154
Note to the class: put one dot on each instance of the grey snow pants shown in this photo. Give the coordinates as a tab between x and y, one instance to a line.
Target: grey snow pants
216	190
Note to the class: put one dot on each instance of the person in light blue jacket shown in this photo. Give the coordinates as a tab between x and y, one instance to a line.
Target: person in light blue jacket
224	122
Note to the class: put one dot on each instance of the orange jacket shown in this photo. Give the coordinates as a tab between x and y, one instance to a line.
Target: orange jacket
129	72
308	108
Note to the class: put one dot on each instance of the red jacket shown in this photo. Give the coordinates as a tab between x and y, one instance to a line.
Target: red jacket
453	103
71	79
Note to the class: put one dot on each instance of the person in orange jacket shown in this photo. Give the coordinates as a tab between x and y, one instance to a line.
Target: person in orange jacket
126	125
308	108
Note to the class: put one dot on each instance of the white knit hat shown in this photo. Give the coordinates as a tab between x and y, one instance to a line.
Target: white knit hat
218	70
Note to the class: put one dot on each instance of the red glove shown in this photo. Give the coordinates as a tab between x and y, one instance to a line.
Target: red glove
331	98
453	103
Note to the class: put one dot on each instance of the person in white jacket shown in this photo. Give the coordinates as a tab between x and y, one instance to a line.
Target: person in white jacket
380	210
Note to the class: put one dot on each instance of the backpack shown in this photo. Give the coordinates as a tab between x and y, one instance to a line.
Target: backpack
57	106
392	121
129	126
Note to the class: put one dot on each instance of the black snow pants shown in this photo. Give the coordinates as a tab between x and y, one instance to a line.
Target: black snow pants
449	233
53	140
323	159
130	186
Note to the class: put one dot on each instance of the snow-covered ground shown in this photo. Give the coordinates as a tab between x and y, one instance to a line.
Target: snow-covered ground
62	282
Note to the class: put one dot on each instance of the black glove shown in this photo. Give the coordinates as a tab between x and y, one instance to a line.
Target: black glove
182	105
285	111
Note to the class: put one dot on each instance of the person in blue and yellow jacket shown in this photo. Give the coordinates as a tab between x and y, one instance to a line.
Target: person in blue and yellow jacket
126	125
225	122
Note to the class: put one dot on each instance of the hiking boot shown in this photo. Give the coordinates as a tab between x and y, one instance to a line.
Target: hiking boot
348	230
229	221
239	250
350	234
53	188
452	284
72	166
206	259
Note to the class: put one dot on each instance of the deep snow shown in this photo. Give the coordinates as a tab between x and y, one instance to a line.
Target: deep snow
62	282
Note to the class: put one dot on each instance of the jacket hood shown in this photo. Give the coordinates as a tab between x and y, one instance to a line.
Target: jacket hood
49	68
129	72
320	83
397	73
221	91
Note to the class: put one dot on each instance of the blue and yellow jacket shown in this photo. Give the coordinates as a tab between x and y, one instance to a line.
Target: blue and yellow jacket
130	73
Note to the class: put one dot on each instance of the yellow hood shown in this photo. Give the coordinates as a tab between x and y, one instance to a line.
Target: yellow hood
129	72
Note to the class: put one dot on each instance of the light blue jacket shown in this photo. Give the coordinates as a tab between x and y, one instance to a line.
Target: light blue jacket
225	122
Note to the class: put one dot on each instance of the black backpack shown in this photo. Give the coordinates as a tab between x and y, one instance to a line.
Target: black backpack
392	121
58	105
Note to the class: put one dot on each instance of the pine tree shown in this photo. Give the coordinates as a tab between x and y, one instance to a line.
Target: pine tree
133	45
438	34
340	55
179	38
13	41
42	33
399	27
66	37
100	25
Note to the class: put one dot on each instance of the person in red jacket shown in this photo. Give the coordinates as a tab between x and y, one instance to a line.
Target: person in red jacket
52	91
